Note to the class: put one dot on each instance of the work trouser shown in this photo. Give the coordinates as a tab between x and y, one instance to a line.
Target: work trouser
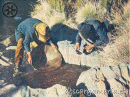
19	52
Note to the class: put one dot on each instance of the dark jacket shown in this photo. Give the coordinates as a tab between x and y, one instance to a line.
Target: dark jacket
99	35
26	30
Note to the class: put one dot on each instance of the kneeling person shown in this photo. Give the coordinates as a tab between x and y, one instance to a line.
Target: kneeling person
28	31
93	32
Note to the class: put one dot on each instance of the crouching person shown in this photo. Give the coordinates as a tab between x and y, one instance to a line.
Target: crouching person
94	33
28	31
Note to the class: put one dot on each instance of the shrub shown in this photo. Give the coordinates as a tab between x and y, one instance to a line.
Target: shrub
90	11
115	52
120	18
79	3
58	5
118	52
109	4
47	14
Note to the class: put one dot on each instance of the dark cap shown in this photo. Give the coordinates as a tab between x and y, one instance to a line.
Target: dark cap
86	30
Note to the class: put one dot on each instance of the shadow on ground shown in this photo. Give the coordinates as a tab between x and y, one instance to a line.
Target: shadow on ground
61	32
2	47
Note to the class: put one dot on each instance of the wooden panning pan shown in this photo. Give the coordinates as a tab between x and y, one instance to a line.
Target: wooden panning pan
46	57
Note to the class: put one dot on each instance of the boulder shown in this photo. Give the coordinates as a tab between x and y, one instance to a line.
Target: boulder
72	57
124	69
108	73
117	89
7	56
6	90
68	52
119	72
96	82
65	38
93	81
26	91
110	81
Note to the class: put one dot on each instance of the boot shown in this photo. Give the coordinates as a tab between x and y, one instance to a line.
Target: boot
16	70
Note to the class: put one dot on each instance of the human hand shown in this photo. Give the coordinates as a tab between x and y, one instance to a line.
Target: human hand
89	47
77	47
29	58
54	46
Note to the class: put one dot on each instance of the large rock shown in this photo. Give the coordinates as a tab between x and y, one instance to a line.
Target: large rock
109	81
108	73
116	72
68	52
25	91
70	55
7	56
93	81
124	70
65	38
6	91
99	82
112	81
117	89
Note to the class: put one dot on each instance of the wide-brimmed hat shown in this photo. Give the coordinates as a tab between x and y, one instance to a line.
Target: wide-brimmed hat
86	30
42	32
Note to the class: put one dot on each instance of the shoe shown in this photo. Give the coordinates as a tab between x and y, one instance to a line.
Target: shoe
16	71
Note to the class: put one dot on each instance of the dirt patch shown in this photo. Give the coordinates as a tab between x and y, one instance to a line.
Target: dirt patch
66	75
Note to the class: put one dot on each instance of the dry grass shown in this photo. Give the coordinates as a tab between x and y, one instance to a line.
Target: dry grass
118	52
114	53
80	3
120	18
49	15
58	5
91	10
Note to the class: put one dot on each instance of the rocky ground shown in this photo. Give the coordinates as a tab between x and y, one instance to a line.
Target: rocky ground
80	73
92	80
